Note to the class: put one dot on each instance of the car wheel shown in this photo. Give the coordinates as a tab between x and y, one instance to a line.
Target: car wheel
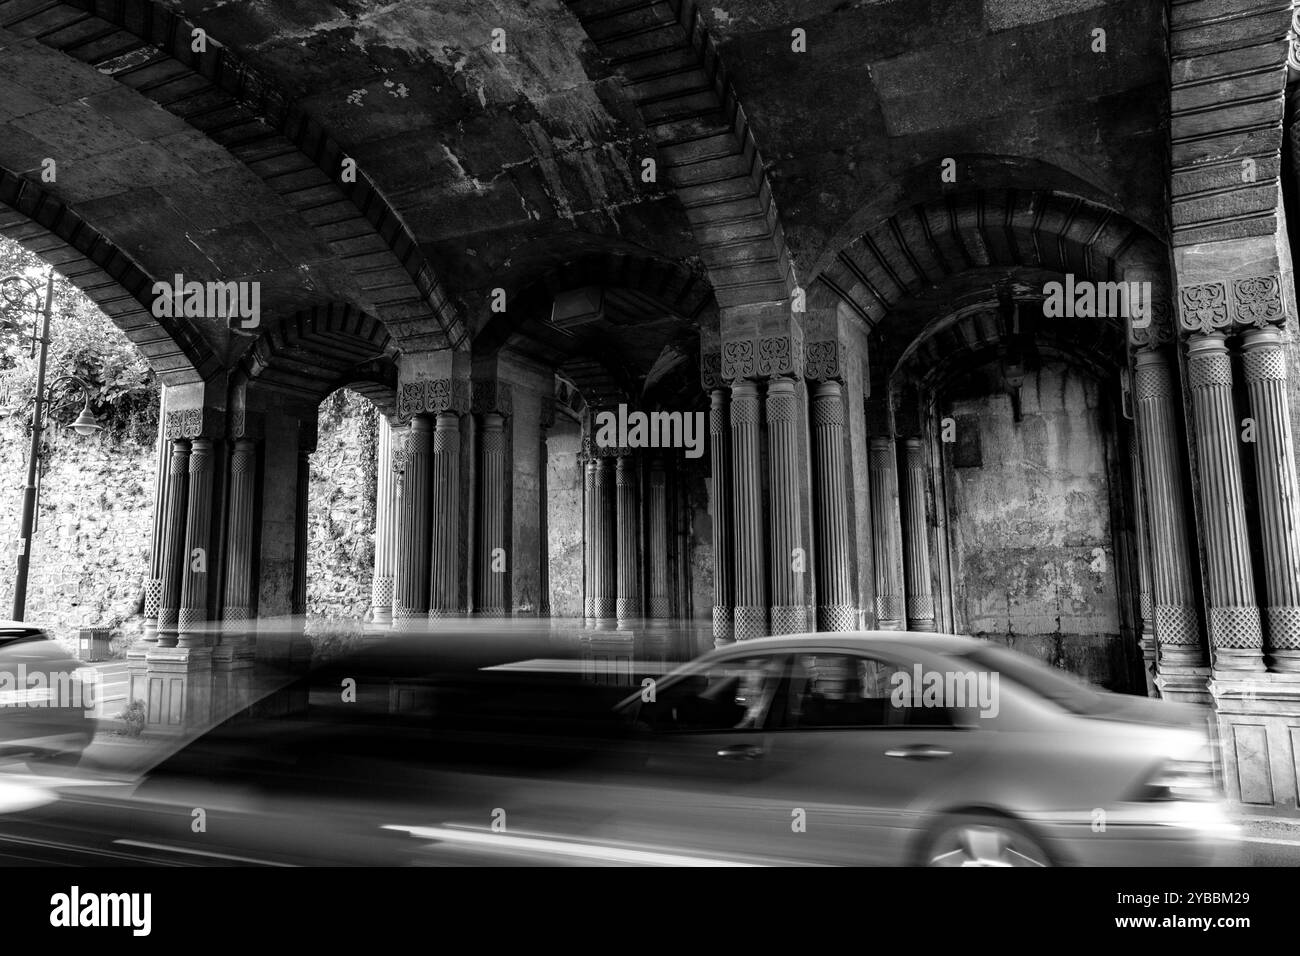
982	840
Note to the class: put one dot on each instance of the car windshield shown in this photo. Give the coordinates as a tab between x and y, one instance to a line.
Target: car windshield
1060	688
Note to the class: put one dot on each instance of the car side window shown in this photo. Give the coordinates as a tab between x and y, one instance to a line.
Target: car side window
849	690
734	694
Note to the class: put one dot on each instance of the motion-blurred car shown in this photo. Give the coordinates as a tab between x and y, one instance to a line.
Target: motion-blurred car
45	695
860	748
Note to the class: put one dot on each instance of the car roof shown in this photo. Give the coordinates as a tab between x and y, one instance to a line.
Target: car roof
20	626
863	640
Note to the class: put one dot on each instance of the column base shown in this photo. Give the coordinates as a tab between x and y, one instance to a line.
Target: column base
837	617
789	619
724	626
926	624
1182	683
607	657
1285	662
179	697
1257	717
751	621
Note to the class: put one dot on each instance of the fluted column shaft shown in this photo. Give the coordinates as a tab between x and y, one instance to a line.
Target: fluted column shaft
628	604
589	510
386	521
153	584
1234	616
1145	623
787	562
835	605
887	544
724	629
444	596
412	566
492	563
1264	365
1177	630
172	567
746	473
920	589
604	533
237	596
659	605
198	528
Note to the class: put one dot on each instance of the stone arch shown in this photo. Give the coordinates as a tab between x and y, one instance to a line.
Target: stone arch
108	276
147	48
321	350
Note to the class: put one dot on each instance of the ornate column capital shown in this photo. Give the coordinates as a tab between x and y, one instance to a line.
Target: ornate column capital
1226	305
822	360
762	356
193	423
711	370
432	396
493	396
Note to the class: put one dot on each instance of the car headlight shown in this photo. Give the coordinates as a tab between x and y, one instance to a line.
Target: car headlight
1191	777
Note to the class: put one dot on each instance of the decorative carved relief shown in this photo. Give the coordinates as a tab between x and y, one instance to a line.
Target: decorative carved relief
711	370
822	360
431	396
776	355
193	423
1251	302
737	360
492	396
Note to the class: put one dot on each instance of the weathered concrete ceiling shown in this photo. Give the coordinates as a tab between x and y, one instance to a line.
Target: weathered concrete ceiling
482	168
855	128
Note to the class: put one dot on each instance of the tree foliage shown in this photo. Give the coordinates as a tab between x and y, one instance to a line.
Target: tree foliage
85	343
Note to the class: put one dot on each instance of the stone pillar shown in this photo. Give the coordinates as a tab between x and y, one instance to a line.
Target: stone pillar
153	581
173	542
746	474
1235	631
1264	364
237	598
835	607
444	594
920	590
589	509
492	570
724	629
1146	624
302	509
659	606
386	522
628	602
411	570
1173	596
789	612
886	535
604	535
198	528
547	421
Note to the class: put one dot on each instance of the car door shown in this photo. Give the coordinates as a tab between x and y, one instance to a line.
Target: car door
863	760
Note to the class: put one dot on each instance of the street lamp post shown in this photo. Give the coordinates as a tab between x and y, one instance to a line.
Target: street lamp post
84	425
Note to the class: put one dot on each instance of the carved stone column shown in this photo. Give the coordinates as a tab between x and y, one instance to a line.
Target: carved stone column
1235	631
659	605
835	608
589	510
787	562
412	568
1264	365
172	567
746	473
1177	631
237	597
724	628
444	596
882	468
1145	623
628	603
386	521
153	582
492	569
920	590
306	445
604	535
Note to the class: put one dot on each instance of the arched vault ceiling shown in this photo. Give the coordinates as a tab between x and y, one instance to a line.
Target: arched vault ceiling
478	152
887	88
